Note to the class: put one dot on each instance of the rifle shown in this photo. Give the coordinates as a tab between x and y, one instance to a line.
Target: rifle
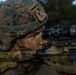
60	50
63	38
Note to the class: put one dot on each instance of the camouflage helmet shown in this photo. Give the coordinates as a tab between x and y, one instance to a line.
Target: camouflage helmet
19	17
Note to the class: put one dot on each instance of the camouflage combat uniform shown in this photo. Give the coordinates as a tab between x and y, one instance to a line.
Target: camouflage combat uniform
17	19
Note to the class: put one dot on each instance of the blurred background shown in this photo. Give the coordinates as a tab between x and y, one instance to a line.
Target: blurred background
60	12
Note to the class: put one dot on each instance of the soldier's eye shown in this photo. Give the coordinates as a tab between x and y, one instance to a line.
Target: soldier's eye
36	34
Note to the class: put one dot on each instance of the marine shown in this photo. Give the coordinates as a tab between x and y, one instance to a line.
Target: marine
21	26
21	23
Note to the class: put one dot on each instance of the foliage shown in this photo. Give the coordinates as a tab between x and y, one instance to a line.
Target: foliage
61	12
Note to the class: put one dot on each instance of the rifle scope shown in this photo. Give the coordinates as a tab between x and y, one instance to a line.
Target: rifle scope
56	32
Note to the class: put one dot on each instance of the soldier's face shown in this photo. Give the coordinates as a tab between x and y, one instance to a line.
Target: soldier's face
33	41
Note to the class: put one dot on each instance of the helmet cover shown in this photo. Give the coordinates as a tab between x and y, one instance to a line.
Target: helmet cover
19	17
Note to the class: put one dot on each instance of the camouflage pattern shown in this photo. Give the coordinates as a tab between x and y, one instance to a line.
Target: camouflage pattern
17	18
57	57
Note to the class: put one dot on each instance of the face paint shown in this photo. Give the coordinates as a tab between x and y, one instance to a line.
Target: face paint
33	42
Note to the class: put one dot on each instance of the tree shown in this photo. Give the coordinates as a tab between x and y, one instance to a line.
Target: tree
61	12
